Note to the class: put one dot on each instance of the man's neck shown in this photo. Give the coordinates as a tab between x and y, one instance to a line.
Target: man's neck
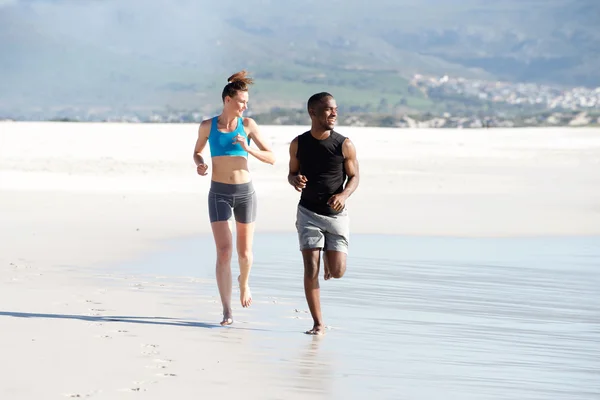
320	133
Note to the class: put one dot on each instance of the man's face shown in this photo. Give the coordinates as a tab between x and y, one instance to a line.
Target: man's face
325	113
238	104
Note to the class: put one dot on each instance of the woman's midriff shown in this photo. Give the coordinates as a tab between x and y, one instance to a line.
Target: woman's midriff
228	169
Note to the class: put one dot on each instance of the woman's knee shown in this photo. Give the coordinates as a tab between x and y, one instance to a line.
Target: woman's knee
224	252
245	255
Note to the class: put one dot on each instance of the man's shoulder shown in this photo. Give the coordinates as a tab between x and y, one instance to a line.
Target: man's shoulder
301	136
338	136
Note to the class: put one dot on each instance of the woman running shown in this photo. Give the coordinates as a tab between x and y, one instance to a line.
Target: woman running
231	191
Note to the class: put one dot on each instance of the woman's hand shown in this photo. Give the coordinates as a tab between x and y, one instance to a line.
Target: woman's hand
242	141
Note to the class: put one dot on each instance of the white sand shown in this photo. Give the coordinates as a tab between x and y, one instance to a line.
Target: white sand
75	196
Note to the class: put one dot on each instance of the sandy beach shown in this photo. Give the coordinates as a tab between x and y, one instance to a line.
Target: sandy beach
76	197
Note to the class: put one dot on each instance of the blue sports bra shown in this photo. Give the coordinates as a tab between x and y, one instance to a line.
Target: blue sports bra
221	143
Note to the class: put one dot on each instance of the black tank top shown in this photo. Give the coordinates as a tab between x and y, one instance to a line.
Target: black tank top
322	162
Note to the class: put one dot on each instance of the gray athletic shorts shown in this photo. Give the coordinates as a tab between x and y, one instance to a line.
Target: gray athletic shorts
316	231
226	200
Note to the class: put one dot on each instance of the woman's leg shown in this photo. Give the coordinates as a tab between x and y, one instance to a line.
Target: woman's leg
220	210
245	236
223	241
244	209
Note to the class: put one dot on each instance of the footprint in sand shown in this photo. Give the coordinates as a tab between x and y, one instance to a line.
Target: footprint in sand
138	386
162	361
142	383
77	395
156	366
166	375
122	332
133	389
150	351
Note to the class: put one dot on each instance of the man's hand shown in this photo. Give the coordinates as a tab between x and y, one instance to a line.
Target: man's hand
202	168
337	201
299	182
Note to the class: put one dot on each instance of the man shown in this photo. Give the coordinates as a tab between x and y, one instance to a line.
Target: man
320	162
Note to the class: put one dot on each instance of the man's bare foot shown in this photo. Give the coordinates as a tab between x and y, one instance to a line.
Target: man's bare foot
245	295
227	320
316	330
326	272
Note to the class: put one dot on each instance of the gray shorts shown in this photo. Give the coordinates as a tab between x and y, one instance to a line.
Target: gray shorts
317	231
226	200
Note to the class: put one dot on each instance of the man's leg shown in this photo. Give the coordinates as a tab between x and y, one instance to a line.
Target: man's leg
312	290
311	242
334	263
337	233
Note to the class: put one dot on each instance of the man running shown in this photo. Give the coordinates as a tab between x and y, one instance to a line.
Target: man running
320	162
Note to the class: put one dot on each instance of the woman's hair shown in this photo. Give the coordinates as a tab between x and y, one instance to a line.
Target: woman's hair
237	82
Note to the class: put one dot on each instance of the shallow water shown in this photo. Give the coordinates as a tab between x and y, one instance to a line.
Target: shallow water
422	317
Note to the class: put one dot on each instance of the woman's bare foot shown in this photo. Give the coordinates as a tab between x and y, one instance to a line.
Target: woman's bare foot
245	294
317	329
227	320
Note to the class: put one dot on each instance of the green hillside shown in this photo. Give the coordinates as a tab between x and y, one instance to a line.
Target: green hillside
152	56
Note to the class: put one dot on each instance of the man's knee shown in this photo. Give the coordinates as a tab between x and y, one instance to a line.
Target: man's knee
338	269
336	262
311	263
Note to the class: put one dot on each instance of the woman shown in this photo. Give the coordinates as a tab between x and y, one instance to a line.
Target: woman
231	190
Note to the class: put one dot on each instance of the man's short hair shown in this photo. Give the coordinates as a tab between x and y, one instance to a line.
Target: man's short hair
316	99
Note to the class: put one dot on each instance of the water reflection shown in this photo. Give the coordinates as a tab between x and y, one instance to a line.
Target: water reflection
315	369
433	318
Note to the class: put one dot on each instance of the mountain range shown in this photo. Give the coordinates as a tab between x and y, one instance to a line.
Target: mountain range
109	54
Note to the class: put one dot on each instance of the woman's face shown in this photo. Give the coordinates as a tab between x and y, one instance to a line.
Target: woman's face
237	104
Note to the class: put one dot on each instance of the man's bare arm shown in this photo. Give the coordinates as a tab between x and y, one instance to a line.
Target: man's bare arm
294	178
294	166
351	166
